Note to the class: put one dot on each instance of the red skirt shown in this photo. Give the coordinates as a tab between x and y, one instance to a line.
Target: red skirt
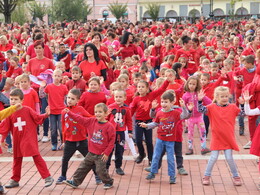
255	146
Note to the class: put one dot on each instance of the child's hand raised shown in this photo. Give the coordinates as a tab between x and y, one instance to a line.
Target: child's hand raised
246	96
18	106
66	110
190	106
154	104
201	95
143	125
43	84
182	103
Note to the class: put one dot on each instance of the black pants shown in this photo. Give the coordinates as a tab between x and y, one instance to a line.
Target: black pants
206	122
119	150
178	155
69	149
148	134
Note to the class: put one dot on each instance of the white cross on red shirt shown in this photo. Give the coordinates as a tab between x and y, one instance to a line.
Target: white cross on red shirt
20	124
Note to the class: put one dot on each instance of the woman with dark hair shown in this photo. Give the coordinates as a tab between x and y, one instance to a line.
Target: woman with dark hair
127	48
92	64
102	50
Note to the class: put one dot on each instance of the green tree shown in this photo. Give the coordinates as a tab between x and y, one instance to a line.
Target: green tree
8	6
70	10
232	7
19	14
38	10
117	9
153	10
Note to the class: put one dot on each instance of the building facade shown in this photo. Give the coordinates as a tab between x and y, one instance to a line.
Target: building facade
196	8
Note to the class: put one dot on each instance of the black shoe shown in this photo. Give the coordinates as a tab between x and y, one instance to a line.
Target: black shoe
139	159
241	130
119	171
190	152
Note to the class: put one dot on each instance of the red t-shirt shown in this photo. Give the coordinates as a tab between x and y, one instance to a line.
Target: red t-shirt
30	99
37	66
56	96
46	53
16	72
88	67
88	100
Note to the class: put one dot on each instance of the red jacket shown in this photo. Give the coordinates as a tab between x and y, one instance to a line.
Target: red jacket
120	117
79	84
71	130
101	136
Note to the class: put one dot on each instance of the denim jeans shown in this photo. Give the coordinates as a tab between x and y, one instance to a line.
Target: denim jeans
148	134
44	104
229	158
55	120
9	140
159	147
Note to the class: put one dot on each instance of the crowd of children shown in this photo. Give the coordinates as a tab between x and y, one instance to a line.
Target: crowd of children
100	87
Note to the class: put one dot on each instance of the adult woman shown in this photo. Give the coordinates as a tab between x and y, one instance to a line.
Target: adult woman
36	66
102	50
4	45
92	64
127	49
40	63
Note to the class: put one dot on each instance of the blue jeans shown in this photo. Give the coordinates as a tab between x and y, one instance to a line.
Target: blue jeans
229	159
9	140
44	104
55	120
159	147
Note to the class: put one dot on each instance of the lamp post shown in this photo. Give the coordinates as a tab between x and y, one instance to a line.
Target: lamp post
211	15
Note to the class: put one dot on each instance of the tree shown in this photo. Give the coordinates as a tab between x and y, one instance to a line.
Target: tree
232	7
38	10
19	14
117	9
8	6
70	10
153	10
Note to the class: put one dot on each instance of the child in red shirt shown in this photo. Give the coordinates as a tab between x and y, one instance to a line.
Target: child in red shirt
93	96
101	135
23	125
17	70
56	93
76	82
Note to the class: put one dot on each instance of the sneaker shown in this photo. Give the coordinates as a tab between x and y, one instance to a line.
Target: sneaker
147	169
205	151
54	147
45	139
206	180
150	176
2	189
182	171
237	181
241	130
119	171
248	145
48	181
135	156
12	184
172	180
61	179
139	159
70	183
190	152
10	150
39	138
108	186
98	180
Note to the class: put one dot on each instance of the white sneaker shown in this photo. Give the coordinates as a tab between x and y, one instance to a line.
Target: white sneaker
45	139
248	145
39	138
10	150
